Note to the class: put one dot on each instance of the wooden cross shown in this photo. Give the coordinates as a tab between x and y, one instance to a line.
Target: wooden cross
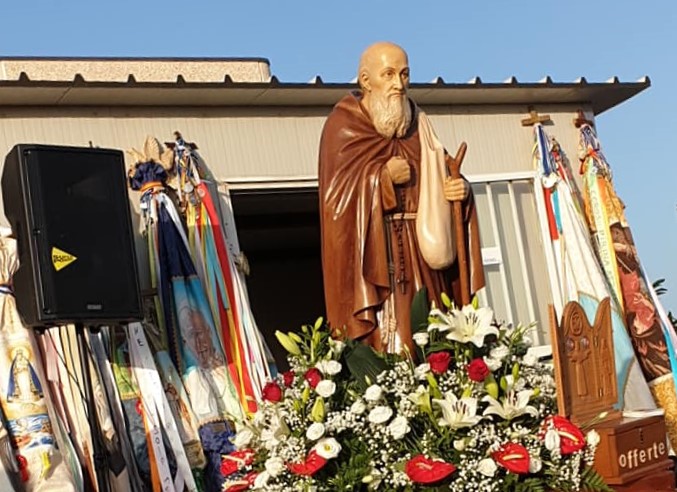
534	118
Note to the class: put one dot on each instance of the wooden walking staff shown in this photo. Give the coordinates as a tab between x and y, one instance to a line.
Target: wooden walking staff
459	230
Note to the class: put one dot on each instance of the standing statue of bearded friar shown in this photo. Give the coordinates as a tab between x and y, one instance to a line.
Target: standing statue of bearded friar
385	208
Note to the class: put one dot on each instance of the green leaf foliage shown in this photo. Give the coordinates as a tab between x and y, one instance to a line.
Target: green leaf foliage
363	362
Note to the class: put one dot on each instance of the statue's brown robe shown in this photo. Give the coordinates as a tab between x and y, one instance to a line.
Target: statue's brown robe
356	193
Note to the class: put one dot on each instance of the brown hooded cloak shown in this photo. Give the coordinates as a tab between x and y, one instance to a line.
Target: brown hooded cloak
361	220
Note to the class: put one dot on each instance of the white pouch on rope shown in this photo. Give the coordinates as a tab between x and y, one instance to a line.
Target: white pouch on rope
434	229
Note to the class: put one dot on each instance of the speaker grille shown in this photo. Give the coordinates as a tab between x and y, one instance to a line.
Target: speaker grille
77	220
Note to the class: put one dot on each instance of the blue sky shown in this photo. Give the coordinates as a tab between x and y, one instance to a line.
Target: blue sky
457	40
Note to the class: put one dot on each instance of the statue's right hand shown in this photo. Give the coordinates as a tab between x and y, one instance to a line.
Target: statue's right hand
399	170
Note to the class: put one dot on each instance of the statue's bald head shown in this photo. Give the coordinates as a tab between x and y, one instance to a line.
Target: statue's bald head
377	57
383	76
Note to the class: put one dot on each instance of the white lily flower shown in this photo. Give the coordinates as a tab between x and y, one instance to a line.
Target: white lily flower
328	448
487	467
472	325
458	413
443	322
513	405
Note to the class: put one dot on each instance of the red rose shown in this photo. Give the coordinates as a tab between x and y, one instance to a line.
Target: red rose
513	457
571	438
236	460
243	484
272	392
439	362
288	378
423	470
313	376
313	463
478	370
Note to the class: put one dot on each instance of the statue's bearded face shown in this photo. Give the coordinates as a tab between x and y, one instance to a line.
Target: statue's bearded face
387	79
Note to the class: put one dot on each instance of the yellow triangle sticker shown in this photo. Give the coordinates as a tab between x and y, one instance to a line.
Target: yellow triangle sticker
61	259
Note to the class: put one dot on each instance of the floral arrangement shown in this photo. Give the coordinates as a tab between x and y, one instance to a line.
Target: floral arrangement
477	413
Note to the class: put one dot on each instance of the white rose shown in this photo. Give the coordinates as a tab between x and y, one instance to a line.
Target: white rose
552	440
337	346
329	367
487	467
275	466
492	364
326	388
259	418
373	393
315	431
380	414
530	359
261	480
243	438
421	370
527	341
328	448
399	427
535	464
459	444
421	338
592	438
499	353
358	407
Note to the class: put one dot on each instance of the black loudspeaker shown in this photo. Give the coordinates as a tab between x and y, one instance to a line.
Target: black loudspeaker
69	210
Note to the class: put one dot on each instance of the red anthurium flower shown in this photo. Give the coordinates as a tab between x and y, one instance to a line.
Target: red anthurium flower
571	438
478	370
272	392
513	457
313	376
242	484
439	362
314	463
424	470
288	378
23	467
232	462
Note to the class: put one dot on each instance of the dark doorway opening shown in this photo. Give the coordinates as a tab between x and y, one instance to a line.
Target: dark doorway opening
279	232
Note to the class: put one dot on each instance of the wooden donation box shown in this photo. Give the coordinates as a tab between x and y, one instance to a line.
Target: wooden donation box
633	452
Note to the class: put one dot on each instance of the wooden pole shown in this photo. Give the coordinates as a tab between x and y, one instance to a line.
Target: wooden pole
459	229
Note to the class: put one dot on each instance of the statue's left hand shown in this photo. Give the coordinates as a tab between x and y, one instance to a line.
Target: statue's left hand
456	189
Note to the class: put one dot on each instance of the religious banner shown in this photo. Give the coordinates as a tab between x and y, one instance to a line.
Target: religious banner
578	276
22	396
243	344
616	249
195	345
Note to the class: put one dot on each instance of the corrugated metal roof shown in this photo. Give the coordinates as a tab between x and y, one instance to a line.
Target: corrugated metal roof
189	88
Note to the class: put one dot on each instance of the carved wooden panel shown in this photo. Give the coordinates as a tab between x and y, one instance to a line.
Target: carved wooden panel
584	362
